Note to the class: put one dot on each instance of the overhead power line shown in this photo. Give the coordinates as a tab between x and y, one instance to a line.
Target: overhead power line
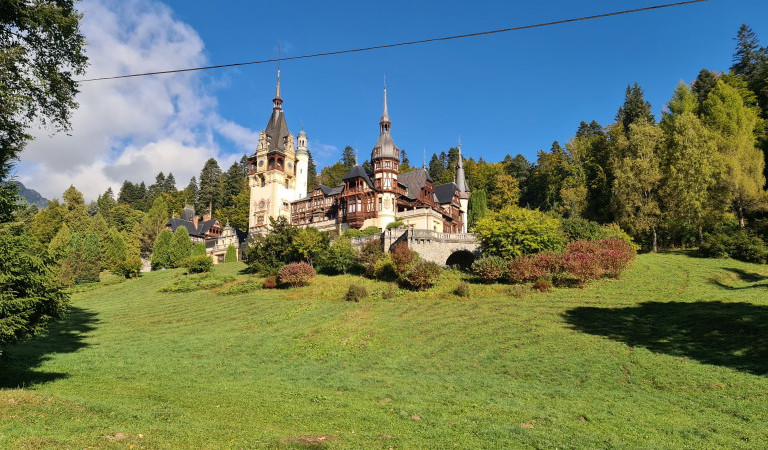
400	44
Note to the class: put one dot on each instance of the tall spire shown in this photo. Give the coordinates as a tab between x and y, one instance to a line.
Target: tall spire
277	100
460	180
385	122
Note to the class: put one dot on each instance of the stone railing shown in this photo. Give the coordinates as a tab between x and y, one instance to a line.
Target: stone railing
429	235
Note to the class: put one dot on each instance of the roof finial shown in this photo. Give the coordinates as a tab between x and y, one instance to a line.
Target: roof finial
424	159
277	100
357	154
385	113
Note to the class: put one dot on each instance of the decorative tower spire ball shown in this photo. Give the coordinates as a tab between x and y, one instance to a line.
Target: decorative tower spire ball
277	100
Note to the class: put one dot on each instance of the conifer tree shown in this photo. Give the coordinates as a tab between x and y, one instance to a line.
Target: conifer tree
114	250
105	202
477	208
236	215
311	172
232	185
198	249
190	192
75	212
60	243
152	223
161	250
436	169
82	263
704	83
181	247
348	157
170	183
635	108
231	254
209	195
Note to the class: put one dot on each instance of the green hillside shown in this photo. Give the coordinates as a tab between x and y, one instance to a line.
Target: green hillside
674	355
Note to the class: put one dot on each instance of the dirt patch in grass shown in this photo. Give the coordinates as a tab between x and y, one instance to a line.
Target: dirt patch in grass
310	440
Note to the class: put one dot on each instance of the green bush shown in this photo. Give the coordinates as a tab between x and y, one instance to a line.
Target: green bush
403	258
462	290
198	249
390	291
340	257
578	229
422	275
161	250
198	264
396	224
243	288
384	269
296	274
356	293
231	255
370	231
490	269
130	268
737	244
614	231
191	283
516	231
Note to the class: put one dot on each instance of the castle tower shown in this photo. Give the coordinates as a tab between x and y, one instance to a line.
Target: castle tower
385	159
302	165
272	174
461	184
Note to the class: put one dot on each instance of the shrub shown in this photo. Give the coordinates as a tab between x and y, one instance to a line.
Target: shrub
565	280
370	231
516	231
395	224
198	249
542	285
390	291
548	263
197	264
231	254
739	244
614	231
130	268
242	288
490	268
403	258
522	269
577	229
296	274
270	282
384	269
181	247
584	266
356	293
615	256
341	257
369	254
161	250
422	275
462	290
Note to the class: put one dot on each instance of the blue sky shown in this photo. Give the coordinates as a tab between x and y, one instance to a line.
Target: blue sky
503	94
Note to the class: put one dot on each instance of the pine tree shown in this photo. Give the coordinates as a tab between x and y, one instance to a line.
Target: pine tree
161	250
209	195
82	263
311	173
331	175
704	83
635	109
105	202
60	243
114	250
233	183
244	166
75	212
405	163
190	192
170	183
348	157
236	215
749	56
152	224
231	254
436	169
181	247
477	208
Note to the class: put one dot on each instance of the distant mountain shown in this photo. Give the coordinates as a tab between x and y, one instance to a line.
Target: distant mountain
31	196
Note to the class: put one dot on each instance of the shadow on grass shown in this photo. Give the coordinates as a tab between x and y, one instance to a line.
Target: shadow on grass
747	277
733	335
19	362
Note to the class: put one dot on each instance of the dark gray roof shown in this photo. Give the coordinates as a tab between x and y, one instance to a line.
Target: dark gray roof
327	191
414	182
277	130
175	223
206	225
358	171
444	192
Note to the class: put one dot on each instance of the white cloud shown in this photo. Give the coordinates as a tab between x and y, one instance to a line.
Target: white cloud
136	127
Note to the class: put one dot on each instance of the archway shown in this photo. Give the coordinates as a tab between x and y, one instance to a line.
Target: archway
462	259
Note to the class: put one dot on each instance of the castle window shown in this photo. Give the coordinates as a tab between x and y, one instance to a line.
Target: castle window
261	204
286	184
263	182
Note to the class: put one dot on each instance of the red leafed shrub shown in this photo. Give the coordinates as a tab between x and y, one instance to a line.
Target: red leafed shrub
270	282
589	260
548	263
542	285
584	266
296	274
422	275
522	269
403	258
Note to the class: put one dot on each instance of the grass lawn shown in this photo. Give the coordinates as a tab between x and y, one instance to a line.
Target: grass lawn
674	355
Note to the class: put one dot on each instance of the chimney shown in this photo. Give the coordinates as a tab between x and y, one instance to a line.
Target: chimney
194	221
206	217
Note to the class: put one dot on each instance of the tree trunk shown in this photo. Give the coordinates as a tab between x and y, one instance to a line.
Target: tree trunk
655	241
740	213
701	236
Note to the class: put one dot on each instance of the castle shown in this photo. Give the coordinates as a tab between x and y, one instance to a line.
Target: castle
277	176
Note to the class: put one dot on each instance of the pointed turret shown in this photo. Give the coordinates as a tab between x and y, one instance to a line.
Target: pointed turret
277	100
461	181
385	147
277	127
